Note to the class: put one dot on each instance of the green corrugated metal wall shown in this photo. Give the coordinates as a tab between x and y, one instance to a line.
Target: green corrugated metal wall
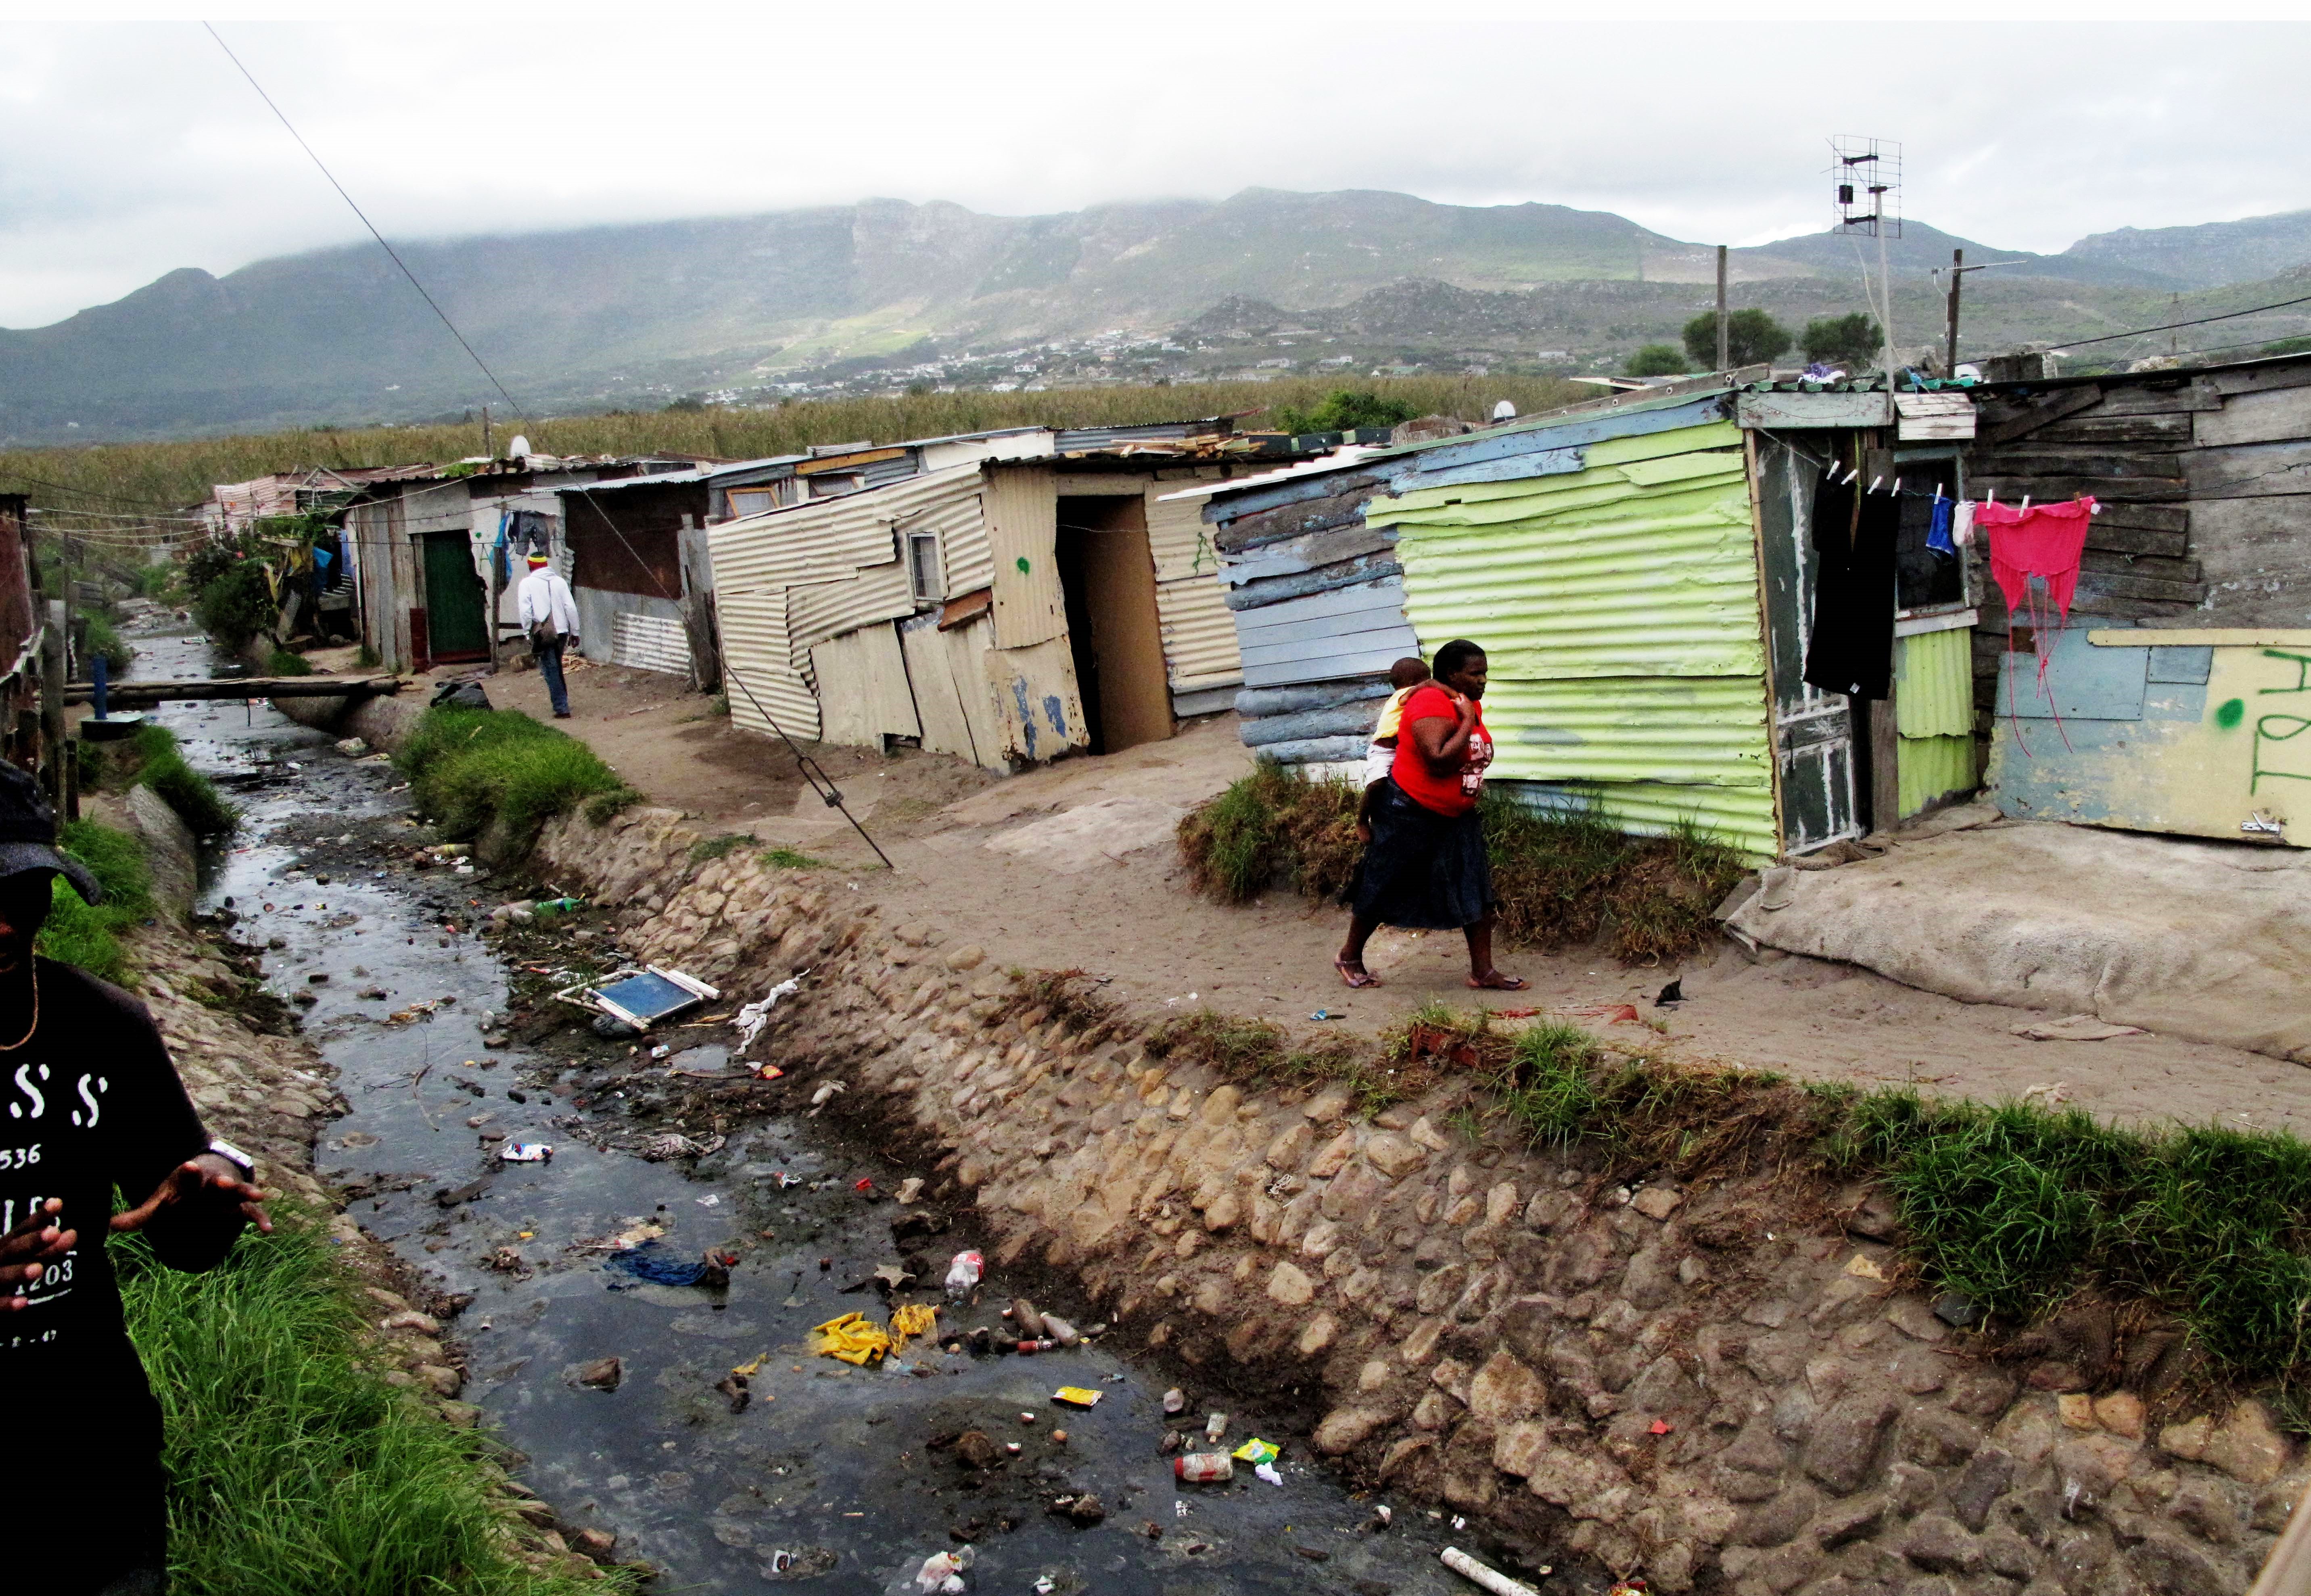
1933	711
1618	606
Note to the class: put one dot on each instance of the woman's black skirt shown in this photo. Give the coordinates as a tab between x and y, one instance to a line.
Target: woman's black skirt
1422	869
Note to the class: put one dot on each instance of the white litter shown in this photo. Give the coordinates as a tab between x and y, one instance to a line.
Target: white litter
1492	1579
753	1017
1267	1472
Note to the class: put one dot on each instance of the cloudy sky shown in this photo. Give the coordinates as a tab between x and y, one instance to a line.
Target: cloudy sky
131	147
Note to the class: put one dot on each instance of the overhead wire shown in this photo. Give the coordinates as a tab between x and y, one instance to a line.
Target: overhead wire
2176	325
812	774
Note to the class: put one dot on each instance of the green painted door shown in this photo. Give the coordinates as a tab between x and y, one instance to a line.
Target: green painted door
457	624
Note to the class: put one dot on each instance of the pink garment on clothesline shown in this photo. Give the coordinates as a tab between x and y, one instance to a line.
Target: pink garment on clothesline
2046	540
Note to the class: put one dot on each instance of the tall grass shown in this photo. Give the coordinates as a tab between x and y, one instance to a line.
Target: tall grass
1564	877
89	935
296	1468
473	770
161	475
159	764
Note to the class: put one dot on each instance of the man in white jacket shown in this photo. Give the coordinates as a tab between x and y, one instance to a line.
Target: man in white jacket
549	614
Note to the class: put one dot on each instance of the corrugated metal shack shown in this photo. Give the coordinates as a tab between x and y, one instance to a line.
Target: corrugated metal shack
426	544
1007	609
1638	570
2176	700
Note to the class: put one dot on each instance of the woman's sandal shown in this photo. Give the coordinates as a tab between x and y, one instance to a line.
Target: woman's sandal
1354	977
1494	981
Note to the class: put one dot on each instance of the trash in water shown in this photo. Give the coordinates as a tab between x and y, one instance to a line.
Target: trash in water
1059	1330
854	1339
781	1561
734	1386
1493	1580
750	1019
661	1051
768	1072
825	1094
1203	1467
1267	1472
670	1144
1660	1427
1214	1427
1029	1322
643	999
660	1265
1175	1401
962	1274
1255	1451
603	1374
709	1201
1046	1586
525	1152
915	1319
908	1189
864	1184
1076	1396
943	1571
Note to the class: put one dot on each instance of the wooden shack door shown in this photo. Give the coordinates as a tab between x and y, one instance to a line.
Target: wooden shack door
456	620
1109	576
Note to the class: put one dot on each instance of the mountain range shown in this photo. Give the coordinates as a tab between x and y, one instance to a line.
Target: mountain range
884	291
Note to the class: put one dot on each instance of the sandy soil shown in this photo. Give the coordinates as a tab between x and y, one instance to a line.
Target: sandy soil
1073	867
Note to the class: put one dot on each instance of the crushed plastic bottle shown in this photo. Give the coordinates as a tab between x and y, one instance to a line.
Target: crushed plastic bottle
1214	1427
943	1571
962	1275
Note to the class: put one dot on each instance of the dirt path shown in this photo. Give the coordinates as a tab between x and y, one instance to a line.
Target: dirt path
1073	867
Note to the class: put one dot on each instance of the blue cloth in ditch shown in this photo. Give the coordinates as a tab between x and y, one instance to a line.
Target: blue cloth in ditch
652	1262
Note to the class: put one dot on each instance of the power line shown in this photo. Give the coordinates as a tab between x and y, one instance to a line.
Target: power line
2201	322
812	774
10	471
365	221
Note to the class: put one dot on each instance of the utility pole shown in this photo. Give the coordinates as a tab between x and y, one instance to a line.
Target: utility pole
485	434
1885	295
1724	327
1957	277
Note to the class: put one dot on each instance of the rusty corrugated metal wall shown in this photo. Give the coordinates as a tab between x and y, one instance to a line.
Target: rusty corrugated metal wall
1617	604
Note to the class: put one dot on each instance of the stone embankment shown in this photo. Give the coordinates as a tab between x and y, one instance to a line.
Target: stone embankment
1691	1383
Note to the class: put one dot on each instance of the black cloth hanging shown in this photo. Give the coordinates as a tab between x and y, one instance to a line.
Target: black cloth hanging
532	532
1853	647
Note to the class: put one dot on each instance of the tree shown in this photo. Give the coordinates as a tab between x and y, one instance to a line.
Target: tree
1847	341
1657	360
1344	409
1751	337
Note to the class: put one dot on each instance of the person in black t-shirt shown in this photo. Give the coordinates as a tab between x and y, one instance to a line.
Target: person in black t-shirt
89	1102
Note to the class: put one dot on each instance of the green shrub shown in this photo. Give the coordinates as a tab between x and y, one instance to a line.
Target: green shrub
1270	826
100	637
89	935
1751	336
1343	410
1567	876
1852	341
294	1466
287	662
1659	360
154	580
366	658
162	765
236	607
472	769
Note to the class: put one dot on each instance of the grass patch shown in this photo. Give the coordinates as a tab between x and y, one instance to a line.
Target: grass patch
1071	997
87	935
295	1466
477	769
158	763
791	859
1568	877
1273	826
716	847
602	808
287	662
1564	878
100	637
366	658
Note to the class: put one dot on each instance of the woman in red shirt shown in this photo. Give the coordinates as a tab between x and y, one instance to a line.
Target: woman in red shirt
1426	866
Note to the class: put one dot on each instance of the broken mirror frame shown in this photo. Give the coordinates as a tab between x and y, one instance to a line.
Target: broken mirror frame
641	998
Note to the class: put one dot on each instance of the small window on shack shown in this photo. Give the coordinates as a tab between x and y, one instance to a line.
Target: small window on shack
835	487
754	501
923	569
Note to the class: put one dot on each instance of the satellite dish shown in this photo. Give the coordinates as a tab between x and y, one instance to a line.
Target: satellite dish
1505	411
518	448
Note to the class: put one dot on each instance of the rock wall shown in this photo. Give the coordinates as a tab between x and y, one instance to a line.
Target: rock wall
1659	1380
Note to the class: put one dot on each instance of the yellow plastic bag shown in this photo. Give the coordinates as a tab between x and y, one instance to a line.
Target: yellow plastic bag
915	1319
852	1339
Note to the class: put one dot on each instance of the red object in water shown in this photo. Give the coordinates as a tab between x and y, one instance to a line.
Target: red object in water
1660	1427
864	1186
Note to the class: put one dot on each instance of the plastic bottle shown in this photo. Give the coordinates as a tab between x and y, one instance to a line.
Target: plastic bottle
1204	1467
962	1275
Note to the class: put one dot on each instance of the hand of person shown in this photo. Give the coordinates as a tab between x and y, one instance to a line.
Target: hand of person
26	1252
207	1179
1364	832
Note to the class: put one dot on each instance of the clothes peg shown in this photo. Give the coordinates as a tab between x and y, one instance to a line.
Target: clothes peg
2025	501
1897	486
1991	496
1873	483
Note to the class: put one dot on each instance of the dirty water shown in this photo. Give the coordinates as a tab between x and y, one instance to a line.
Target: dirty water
828	1476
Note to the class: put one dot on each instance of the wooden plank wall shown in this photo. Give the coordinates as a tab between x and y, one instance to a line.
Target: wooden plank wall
1318	604
2205	482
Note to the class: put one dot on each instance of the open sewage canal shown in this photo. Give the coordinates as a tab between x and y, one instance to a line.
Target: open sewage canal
840	1477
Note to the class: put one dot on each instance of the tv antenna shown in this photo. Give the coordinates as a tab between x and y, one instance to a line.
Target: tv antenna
1868	173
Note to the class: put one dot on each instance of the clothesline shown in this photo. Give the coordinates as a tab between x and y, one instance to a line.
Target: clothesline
1829	469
